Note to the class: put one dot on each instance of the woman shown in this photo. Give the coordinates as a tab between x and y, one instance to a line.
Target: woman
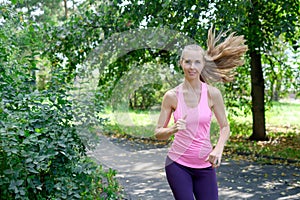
191	160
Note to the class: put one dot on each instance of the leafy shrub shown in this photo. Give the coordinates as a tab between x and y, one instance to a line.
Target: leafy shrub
42	155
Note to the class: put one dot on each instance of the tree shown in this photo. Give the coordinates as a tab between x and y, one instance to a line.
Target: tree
280	73
261	21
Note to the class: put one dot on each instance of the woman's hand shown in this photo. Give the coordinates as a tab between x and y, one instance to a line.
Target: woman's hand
215	158
180	124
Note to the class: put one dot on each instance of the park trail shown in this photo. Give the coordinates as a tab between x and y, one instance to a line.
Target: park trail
140	171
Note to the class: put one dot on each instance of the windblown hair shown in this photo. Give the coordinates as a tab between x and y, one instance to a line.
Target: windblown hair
221	59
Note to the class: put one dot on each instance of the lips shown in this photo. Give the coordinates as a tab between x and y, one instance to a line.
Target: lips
192	73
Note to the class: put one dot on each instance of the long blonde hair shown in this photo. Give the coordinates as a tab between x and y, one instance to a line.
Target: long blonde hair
220	59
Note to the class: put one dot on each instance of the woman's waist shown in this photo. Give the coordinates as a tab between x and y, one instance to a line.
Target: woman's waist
190	137
191	147
193	158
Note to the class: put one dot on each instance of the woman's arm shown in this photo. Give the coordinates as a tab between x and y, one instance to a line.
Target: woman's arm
219	111
169	103
162	132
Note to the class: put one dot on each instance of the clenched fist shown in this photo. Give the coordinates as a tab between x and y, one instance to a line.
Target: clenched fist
180	124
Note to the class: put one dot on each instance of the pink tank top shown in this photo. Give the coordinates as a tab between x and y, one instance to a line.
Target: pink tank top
192	146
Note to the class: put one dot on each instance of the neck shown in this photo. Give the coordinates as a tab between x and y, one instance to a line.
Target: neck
195	83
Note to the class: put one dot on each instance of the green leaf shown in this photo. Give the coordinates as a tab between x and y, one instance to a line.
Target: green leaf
15	1
19	182
15	151
8	171
28	160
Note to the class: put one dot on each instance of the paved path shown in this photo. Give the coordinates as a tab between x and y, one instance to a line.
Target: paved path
141	173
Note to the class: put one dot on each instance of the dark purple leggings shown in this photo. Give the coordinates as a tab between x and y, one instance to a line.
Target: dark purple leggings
189	183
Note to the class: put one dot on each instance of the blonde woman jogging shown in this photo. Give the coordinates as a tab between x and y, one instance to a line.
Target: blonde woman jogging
191	160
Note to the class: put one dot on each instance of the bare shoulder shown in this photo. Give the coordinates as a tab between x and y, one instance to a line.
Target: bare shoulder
214	96
170	98
171	93
213	92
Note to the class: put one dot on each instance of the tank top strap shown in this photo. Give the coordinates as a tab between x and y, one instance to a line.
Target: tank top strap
204	89
179	95
179	91
180	103
204	95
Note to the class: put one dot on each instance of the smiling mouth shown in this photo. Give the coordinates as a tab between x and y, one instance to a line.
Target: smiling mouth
192	73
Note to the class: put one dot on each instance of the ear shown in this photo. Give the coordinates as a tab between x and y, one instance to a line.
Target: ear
180	62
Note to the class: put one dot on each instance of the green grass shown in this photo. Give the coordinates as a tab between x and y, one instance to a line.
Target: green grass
135	123
282	117
283	131
285	115
282	123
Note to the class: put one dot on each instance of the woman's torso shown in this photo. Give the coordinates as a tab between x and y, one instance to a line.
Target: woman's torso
192	146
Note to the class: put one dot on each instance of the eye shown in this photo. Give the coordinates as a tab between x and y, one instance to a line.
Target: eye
187	61
197	62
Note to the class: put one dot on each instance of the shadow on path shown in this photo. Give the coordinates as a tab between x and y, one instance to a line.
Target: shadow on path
141	173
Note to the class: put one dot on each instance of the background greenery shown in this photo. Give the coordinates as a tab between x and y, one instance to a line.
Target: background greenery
49	50
44	138
140	36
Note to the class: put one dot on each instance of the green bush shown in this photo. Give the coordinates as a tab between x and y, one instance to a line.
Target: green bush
42	155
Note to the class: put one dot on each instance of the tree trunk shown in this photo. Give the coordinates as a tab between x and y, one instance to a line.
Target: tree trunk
258	100
257	79
277	90
66	9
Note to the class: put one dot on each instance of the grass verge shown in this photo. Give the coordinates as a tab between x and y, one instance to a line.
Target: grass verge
282	127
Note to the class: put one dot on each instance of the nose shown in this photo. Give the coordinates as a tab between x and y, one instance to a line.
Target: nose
193	65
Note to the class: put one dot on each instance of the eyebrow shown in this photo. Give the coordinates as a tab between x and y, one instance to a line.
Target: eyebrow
190	59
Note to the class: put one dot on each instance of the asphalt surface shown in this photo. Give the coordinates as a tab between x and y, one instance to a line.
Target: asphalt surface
140	171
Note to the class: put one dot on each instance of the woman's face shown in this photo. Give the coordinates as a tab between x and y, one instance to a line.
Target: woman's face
192	63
